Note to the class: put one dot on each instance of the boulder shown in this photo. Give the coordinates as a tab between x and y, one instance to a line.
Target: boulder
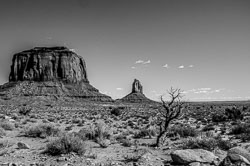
22	145
236	156
188	156
236	151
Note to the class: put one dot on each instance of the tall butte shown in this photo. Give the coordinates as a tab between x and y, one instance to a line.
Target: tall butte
50	71
136	96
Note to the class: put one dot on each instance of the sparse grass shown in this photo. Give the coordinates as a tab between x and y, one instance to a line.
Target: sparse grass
240	128
149	132
25	110
208	127
184	131
242	131
6	125
2	132
41	131
126	142
116	111
66	144
207	143
104	143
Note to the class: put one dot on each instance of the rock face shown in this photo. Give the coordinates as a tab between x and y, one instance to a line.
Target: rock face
236	156
189	156
48	64
50	71
137	87
136	96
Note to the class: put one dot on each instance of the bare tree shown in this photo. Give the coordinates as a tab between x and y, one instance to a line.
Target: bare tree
171	110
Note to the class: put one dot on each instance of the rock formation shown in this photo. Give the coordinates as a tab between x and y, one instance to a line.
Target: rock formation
137	87
136	96
48	64
50	71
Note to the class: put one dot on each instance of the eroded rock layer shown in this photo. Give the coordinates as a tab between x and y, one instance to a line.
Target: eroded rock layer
50	71
136	96
48	64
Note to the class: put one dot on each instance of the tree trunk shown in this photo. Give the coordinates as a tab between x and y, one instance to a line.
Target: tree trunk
159	139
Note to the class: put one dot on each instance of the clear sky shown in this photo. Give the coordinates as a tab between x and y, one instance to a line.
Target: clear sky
200	46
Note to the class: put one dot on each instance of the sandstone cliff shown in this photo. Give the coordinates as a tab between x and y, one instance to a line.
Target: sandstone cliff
50	71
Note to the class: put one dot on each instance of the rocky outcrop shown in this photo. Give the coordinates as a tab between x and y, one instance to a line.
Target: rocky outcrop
50	71
48	64
236	156
193	156
137	87
136	96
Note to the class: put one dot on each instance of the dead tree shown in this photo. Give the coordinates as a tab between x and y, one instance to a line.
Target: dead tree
170	110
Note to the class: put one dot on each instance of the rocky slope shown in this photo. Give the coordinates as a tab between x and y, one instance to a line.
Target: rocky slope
50	71
136	96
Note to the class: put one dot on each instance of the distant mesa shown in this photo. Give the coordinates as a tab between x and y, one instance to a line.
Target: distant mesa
136	96
48	64
50	71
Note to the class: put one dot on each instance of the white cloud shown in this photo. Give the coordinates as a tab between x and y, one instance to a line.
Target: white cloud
181	67
203	90
139	61
119	89
191	66
147	62
142	62
133	67
166	66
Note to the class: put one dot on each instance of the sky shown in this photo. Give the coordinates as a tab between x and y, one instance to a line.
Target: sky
199	46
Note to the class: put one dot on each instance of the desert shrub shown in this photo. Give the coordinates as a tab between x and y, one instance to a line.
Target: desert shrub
25	110
242	131
87	133
76	120
240	128
104	143
208	127
66	144
126	142
136	156
197	143
219	117
224	144
184	130
207	143
148	132
116	111
234	113
100	130
245	136
6	125
41	131
2	132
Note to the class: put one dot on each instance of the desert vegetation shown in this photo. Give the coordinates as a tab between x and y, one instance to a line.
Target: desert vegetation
115	133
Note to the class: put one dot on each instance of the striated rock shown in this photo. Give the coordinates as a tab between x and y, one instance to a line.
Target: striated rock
137	87
50	71
48	64
136	96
